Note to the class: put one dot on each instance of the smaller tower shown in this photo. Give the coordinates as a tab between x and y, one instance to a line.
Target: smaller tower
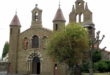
36	17
91	29
14	37
59	20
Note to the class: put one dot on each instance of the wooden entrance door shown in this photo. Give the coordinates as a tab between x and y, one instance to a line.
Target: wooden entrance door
36	65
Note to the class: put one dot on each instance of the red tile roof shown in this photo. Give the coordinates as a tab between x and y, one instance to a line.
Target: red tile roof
59	15
15	20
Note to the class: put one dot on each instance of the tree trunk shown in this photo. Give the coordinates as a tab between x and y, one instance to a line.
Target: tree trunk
90	68
90	64
76	70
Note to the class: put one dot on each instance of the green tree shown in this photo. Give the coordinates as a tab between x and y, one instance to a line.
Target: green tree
70	46
96	55
5	49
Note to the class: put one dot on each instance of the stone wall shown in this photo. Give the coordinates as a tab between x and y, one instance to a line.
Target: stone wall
105	55
3	66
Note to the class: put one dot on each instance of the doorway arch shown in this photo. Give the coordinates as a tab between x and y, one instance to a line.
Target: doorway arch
36	65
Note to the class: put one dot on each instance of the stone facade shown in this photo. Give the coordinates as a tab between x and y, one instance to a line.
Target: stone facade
28	47
27	53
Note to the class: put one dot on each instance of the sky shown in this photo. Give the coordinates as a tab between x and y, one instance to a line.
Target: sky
8	8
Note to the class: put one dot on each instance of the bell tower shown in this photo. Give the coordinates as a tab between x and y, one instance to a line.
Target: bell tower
36	17
81	14
79	6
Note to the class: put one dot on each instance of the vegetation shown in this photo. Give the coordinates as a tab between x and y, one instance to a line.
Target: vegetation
96	55
5	49
70	45
85	67
99	65
97	74
102	66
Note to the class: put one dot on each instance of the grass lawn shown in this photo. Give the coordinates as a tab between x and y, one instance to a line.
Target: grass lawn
97	74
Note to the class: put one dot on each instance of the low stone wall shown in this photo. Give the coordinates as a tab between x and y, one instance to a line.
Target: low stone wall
3	66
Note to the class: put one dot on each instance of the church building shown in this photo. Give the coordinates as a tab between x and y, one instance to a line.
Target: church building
27	53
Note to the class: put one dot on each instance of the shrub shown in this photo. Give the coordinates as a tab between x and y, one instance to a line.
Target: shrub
101	66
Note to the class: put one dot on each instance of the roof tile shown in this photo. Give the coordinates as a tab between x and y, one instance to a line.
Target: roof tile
59	15
15	21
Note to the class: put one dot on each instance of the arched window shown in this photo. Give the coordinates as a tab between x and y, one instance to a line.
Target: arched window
82	17
56	27
25	42
35	42
77	18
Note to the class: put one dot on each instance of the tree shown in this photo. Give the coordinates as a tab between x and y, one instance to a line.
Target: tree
94	44
5	49
96	55
70	46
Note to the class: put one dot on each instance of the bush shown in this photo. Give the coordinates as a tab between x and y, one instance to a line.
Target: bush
101	66
85	67
108	64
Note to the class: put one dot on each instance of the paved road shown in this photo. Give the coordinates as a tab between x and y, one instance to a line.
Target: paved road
3	73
